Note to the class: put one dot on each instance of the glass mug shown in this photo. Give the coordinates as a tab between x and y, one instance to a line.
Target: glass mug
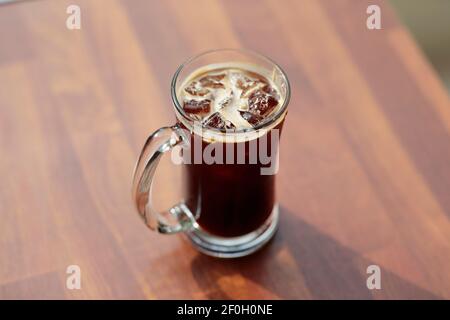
230	208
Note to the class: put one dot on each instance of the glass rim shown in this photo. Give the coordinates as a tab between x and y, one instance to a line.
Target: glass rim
265	123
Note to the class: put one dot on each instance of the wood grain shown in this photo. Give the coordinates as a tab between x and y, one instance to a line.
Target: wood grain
364	176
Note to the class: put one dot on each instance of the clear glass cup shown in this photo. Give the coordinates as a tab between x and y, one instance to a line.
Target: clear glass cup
229	208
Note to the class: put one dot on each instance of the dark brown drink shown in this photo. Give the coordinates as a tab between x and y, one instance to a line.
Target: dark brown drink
230	105
230	198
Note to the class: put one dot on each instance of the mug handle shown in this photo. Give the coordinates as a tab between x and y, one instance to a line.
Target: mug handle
179	217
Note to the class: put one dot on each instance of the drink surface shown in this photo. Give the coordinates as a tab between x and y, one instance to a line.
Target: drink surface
229	98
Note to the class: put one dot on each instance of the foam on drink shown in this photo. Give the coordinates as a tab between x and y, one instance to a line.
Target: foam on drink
230	97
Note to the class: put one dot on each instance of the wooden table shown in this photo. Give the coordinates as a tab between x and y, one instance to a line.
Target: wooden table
365	159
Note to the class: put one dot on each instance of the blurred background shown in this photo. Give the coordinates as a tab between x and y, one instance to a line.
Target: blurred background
429	23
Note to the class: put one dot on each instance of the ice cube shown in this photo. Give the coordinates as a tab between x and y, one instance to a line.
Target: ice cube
268	89
196	89
251	118
197	106
212	81
245	83
217	121
262	103
225	99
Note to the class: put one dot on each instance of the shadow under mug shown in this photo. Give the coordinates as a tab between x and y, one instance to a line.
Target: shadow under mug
230	209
